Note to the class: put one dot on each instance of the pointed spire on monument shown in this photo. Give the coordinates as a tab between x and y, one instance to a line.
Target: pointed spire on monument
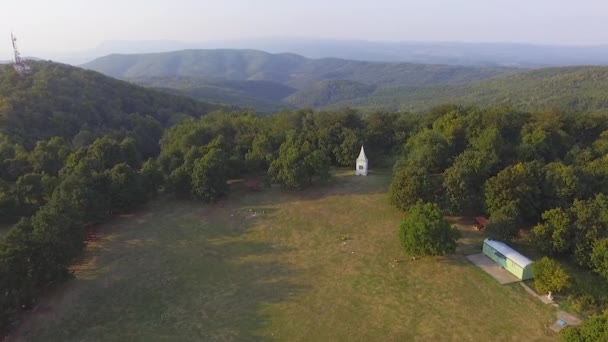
362	155
361	164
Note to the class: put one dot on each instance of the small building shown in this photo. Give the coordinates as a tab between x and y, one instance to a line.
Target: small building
361	165
480	222
508	258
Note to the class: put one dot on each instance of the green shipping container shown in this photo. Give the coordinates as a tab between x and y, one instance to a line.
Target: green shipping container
510	259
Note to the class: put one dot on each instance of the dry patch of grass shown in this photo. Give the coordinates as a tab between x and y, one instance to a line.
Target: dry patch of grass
316	265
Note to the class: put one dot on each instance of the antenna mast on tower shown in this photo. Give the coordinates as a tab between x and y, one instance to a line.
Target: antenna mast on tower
19	65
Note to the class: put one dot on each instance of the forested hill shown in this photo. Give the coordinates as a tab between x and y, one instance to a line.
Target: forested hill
269	82
287	69
264	96
326	92
61	100
568	88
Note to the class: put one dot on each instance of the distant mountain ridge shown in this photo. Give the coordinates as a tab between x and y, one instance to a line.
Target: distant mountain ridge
270	82
266	82
428	52
424	52
288	69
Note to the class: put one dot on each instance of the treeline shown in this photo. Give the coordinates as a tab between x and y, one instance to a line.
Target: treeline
292	148
56	190
72	150
81	188
546	171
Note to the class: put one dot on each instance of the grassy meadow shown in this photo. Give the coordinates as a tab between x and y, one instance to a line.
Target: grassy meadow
274	265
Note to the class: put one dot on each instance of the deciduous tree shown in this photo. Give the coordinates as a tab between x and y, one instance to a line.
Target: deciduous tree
505	223
549	276
410	184
556	234
209	176
519	184
599	257
426	232
299	163
595	328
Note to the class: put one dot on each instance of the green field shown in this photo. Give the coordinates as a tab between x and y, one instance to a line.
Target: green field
185	271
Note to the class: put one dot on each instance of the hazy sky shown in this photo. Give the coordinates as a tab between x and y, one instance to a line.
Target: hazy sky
56	26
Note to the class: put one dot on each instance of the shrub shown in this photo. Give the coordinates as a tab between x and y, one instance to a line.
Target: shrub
550	276
426	232
410	184
505	222
599	258
593	329
209	176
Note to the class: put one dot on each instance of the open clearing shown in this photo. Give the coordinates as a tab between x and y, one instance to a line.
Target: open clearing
309	266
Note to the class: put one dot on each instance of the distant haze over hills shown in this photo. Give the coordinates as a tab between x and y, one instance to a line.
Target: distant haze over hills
262	80
7	61
289	69
269	82
455	53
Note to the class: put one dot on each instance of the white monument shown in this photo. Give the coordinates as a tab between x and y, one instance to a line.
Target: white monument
361	168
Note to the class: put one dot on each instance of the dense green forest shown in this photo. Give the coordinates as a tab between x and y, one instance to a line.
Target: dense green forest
542	177
567	89
330	91
60	100
58	126
263	96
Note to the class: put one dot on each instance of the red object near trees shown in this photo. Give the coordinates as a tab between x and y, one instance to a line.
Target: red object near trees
480	222
252	185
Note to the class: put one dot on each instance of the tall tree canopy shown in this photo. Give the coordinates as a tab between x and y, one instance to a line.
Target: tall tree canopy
426	232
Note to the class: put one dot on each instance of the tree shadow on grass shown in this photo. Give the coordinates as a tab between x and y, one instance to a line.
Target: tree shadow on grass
342	185
223	284
187	271
230	294
195	280
455	260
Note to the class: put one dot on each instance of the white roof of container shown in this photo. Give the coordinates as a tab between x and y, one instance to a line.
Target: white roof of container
509	252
